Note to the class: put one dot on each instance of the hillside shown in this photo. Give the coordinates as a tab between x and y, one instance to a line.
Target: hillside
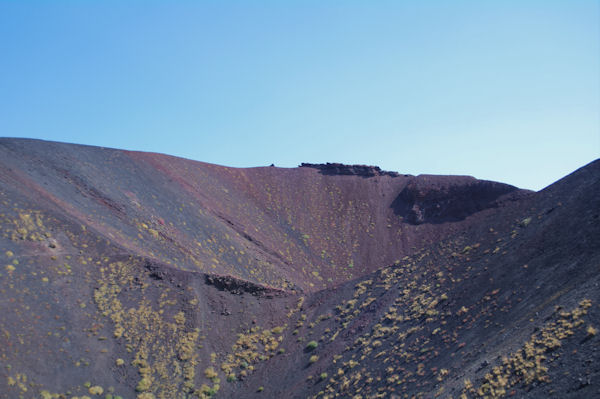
144	275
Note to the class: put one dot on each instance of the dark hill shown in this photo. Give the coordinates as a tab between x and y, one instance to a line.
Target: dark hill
149	276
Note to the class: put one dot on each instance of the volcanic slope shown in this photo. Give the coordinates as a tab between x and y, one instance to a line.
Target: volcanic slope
143	275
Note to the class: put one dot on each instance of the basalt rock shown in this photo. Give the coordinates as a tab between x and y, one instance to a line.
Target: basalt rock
349	170
440	199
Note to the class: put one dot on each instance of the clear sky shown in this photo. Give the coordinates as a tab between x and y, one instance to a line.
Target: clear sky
501	90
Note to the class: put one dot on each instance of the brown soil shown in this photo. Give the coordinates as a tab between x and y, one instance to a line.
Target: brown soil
144	275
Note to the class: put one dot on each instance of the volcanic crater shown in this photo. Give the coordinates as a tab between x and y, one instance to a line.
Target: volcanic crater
139	275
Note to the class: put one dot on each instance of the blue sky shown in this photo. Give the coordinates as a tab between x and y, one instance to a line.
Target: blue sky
501	90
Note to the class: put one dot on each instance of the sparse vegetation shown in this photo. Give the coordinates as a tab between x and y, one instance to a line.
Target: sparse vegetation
96	390
318	286
591	331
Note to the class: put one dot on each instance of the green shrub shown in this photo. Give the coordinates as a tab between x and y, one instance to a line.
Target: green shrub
144	384
96	390
277	330
210	373
312	345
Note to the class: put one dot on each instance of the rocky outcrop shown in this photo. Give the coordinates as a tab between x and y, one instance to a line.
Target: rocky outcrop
349	170
439	199
238	287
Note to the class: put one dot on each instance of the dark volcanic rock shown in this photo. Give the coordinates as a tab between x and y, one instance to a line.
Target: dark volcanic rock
145	276
440	199
349	170
239	287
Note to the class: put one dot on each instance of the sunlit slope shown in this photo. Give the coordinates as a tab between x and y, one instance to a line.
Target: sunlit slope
505	308
300	228
137	275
